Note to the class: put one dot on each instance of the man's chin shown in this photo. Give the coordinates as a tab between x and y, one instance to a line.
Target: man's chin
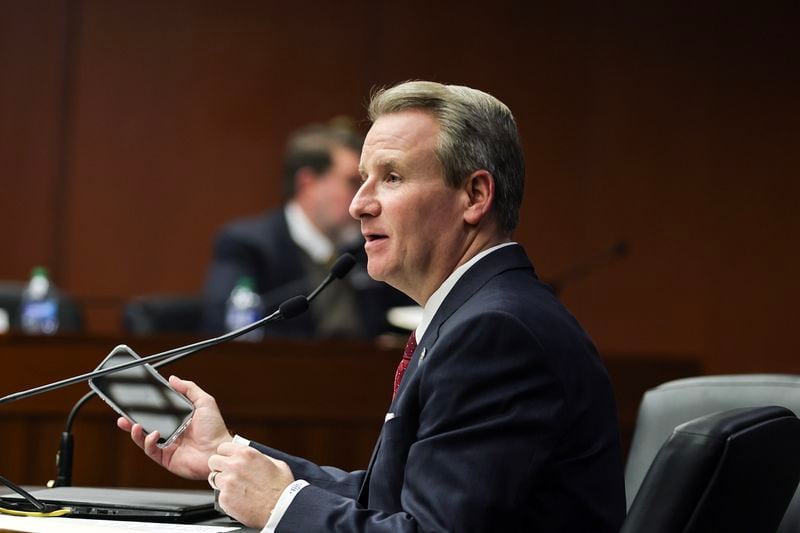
376	269
374	273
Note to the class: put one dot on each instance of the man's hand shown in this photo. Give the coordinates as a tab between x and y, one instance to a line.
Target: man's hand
188	455
249	482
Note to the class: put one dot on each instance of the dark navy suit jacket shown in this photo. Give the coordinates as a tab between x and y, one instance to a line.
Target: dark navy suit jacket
261	247
504	421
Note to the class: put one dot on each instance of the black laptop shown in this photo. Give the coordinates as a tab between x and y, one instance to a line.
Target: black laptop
129	504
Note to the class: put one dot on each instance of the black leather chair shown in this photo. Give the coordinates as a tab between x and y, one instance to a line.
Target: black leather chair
70	314
733	472
675	402
163	313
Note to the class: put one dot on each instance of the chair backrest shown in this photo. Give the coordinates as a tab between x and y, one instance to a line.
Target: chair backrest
733	471
70	314
675	402
163	313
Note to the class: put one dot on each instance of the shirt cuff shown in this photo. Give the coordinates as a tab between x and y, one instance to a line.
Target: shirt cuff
241	440
287	496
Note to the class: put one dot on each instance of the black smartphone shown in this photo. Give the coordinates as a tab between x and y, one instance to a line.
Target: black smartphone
143	396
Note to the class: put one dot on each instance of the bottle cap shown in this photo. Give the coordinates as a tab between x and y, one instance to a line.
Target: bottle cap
245	282
39	271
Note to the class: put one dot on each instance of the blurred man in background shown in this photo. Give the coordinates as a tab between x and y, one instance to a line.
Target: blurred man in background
288	251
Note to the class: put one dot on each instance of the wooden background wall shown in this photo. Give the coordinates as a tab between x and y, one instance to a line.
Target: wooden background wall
129	131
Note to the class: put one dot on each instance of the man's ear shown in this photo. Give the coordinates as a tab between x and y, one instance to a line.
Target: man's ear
303	178
479	189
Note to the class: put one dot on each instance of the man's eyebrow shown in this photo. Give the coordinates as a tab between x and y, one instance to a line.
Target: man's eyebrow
382	164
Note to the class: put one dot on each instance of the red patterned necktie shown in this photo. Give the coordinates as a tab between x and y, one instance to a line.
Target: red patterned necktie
411	345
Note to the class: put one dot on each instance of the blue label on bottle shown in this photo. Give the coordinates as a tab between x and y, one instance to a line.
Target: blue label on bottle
40	317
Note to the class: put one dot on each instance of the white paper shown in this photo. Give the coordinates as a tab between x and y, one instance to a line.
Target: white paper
29	524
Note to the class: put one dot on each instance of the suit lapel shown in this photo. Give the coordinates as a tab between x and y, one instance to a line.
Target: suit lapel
507	258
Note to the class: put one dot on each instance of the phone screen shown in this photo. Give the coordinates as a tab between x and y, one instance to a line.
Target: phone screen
143	396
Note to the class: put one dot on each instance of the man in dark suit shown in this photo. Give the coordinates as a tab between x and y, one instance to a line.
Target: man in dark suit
503	417
288	251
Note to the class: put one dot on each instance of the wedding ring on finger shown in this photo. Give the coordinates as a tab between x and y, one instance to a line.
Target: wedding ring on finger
211	478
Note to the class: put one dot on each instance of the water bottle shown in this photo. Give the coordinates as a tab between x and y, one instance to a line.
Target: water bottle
243	308
39	305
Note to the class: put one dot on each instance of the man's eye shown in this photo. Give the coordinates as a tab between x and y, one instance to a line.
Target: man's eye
392	178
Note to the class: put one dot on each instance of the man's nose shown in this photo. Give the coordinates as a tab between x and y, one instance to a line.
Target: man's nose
364	202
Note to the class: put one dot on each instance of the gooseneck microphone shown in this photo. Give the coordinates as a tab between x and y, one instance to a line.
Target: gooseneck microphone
340	268
616	251
288	309
293	306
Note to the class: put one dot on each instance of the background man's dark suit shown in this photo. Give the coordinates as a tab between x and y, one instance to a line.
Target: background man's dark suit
262	248
504	421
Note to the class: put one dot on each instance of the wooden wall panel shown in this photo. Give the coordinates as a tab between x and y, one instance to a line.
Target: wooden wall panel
184	111
32	37
670	127
691	160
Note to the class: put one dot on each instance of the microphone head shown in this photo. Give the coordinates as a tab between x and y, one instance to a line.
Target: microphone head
343	265
294	306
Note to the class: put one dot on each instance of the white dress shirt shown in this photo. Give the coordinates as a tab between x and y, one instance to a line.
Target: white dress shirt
306	235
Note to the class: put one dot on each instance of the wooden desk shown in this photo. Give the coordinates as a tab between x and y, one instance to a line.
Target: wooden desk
324	401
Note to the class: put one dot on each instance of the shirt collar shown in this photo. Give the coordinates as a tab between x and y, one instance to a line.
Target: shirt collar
436	299
306	235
